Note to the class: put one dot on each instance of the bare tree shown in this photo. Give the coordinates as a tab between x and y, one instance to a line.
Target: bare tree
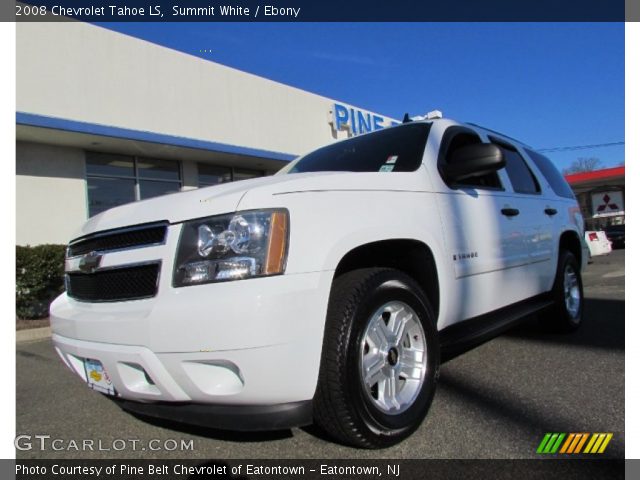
583	164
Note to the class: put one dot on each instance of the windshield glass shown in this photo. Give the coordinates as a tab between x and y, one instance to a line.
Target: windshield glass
395	149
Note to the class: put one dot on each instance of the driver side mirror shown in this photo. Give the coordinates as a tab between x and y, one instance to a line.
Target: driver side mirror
472	160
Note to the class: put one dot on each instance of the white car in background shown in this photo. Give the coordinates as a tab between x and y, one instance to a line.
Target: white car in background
328	292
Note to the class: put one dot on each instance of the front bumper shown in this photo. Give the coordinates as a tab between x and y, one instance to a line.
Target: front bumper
252	343
244	418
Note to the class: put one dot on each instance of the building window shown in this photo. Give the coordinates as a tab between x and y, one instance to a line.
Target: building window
114	180
157	177
213	174
243	174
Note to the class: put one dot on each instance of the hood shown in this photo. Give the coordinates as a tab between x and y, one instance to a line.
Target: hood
228	197
308	183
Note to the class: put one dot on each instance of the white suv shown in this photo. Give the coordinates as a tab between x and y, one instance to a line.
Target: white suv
328	292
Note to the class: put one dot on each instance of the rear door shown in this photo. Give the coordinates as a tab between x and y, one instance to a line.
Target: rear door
533	219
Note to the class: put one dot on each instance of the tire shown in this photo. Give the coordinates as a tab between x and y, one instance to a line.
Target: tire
364	409
565	315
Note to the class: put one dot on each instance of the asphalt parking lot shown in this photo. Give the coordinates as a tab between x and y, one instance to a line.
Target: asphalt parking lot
496	401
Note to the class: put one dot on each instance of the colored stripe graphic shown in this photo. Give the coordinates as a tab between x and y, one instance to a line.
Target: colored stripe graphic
550	443
543	443
581	443
556	446
576	443
553	443
567	443
605	443
594	443
598	442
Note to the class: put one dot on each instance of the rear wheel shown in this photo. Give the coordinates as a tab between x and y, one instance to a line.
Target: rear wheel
566	313
380	359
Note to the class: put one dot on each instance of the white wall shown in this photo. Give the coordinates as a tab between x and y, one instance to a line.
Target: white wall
51	199
77	71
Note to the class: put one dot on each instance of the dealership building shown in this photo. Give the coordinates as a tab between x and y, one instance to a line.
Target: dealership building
600	194
105	119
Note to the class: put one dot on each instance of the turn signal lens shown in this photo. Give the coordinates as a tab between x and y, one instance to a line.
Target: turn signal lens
277	247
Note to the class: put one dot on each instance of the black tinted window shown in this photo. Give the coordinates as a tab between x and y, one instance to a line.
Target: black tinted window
521	177
212	174
109	164
158	169
557	182
397	149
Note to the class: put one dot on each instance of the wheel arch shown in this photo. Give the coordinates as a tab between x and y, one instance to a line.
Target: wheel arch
570	241
410	256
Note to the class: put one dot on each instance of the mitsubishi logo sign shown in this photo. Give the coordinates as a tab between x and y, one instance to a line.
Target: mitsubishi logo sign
607	204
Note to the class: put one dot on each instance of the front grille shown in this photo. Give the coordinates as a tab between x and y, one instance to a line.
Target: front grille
133	237
127	283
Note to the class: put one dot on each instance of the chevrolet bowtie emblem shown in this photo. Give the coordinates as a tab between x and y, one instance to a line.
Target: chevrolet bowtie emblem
90	262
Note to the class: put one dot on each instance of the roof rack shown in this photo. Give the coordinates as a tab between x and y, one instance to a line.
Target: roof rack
432	115
499	133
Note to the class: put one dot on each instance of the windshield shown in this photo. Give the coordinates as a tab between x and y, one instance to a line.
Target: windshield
395	149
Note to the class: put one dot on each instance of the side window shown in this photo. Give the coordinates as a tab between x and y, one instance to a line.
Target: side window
521	177
558	184
455	138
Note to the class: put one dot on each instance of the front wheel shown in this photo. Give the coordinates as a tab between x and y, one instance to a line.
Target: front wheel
568	297
380	359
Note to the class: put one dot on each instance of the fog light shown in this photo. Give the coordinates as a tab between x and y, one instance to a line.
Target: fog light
197	272
233	268
236	268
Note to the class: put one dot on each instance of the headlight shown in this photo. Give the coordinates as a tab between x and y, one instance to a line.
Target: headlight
232	247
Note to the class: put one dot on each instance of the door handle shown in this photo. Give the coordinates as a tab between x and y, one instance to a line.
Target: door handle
550	211
510	212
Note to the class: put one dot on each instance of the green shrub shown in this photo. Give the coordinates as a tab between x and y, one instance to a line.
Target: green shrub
39	279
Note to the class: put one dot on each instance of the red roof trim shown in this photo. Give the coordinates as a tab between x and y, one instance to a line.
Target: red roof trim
603	174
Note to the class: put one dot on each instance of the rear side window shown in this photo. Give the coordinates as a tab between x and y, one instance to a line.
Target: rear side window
396	149
557	182
521	177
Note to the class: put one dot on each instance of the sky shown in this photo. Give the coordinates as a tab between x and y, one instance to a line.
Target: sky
546	84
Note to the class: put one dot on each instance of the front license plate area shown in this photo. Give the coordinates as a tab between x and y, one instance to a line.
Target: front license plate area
97	377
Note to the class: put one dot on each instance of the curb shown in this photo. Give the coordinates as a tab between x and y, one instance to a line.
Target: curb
32	334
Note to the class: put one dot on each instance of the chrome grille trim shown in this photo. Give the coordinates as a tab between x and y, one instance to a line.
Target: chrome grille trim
119	239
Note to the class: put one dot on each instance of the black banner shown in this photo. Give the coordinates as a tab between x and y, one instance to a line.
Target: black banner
328	10
320	469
